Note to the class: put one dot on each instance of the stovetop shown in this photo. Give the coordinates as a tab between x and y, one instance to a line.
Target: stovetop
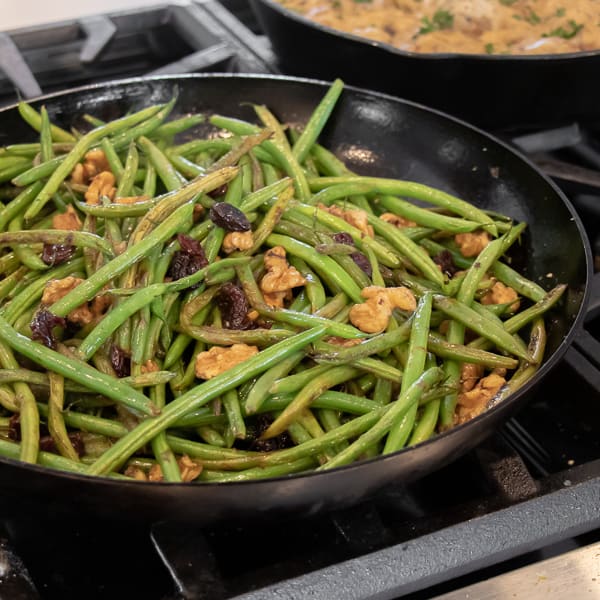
529	492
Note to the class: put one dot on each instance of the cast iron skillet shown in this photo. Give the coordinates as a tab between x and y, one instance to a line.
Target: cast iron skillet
491	91
375	134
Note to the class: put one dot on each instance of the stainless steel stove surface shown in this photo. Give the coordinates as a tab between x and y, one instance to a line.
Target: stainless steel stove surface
531	492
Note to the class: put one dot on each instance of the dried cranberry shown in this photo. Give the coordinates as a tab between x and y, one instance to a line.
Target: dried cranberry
343	238
189	259
47	443
42	325
444	260
56	254
120	361
228	217
255	429
234	307
363	262
217	192
14	428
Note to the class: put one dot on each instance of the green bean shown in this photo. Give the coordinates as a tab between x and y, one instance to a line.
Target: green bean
418	191
199	396
114	162
338	224
82	145
75	370
56	424
415	366
26	255
317	121
313	286
33	118
327	268
18	204
87	289
46	151
307	394
19	239
408	249
178	125
260	390
485	327
444	349
231	403
160	446
171	178
127	177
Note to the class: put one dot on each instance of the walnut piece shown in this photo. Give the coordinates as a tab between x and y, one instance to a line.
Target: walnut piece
101	185
471	244
501	294
149	367
356	217
189	470
136	473
67	221
279	280
94	162
397	220
473	402
88	312
219	359
237	240
470	373
374	315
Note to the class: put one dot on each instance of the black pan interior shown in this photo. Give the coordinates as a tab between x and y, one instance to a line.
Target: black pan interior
374	134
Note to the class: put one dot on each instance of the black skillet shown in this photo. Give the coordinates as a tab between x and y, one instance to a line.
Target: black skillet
491	91
374	134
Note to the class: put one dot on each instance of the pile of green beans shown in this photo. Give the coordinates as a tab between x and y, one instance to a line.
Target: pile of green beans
320	392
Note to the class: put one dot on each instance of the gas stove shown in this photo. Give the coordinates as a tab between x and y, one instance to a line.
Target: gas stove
529	494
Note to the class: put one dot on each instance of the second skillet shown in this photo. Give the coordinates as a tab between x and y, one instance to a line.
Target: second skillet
492	91
375	134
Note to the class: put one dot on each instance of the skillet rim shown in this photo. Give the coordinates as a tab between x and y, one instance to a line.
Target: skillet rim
425	56
557	355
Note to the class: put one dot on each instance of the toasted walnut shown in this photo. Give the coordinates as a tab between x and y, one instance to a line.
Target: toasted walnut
501	294
471	244
131	199
155	473
397	220
67	221
101	185
475	401
219	359
280	278
470	373
356	217
89	312
374	315
237	240
94	162
190	470
136	473
149	367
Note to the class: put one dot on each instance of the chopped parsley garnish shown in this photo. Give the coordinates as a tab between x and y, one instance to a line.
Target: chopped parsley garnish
489	48
560	12
442	19
363	1
531	17
507	2
566	33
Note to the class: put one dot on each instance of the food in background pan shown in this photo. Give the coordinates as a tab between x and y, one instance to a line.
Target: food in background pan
243	305
464	26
